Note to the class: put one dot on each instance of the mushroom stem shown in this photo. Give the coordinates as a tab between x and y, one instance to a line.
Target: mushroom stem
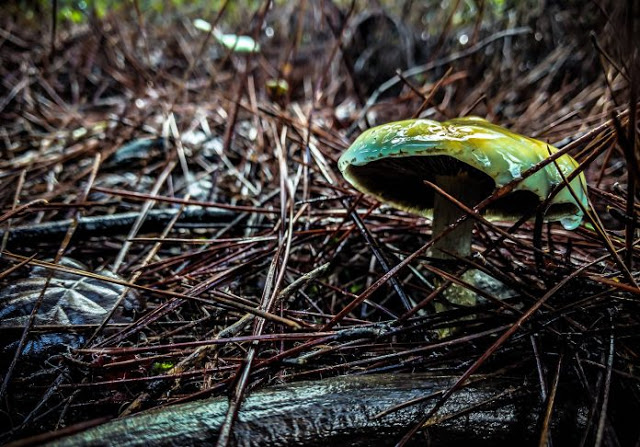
446	213
457	241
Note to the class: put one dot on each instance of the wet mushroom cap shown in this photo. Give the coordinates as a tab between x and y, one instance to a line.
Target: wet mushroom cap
392	161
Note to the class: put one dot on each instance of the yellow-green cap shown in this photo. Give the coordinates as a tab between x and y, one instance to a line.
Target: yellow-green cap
392	161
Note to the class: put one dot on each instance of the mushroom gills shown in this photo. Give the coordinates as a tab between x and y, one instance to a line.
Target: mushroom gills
400	182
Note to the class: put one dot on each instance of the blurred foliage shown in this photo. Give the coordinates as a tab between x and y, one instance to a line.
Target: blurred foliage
78	11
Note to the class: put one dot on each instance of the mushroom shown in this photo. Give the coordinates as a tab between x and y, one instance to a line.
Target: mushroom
468	158
237	44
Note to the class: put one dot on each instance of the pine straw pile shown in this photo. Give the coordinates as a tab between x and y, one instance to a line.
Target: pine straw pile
138	152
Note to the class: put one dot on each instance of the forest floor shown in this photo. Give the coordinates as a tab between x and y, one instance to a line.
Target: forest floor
174	225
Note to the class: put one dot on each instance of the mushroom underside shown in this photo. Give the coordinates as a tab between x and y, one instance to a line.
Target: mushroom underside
400	181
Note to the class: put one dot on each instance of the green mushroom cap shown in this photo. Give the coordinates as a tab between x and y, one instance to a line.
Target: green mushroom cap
392	161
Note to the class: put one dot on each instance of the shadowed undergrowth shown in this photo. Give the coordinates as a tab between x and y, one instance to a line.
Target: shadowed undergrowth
139	146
